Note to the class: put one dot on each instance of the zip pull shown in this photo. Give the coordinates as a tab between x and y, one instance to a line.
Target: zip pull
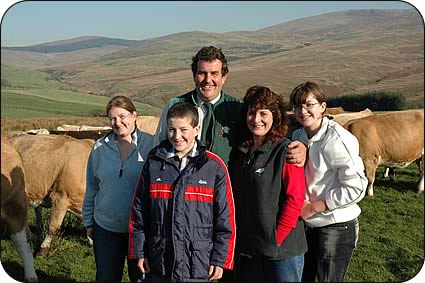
246	165
121	169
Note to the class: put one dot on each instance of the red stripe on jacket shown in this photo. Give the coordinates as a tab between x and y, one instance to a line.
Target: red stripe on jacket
197	193
161	191
228	264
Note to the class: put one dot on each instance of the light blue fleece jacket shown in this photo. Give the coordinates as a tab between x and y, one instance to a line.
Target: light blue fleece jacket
111	182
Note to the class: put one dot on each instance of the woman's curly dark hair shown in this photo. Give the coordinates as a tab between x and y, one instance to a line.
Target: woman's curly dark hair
261	97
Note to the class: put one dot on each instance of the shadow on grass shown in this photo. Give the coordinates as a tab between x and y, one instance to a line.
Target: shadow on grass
398	185
16	271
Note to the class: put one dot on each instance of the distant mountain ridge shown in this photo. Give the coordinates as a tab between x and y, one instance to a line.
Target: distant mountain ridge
75	44
348	20
347	52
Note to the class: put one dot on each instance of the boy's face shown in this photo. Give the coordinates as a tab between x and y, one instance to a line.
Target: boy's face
182	135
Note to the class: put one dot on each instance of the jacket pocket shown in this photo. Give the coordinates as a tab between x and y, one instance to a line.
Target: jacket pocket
200	261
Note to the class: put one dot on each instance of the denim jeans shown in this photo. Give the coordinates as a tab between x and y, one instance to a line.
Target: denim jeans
329	251
266	270
110	252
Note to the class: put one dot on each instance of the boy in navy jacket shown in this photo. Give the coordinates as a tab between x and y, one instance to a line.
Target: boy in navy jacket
182	225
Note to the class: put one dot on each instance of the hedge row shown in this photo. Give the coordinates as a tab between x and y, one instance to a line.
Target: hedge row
375	101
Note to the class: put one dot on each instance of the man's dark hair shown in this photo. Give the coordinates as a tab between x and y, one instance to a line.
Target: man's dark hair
184	110
209	53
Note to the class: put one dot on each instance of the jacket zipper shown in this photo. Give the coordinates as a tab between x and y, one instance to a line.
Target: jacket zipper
212	130
182	176
121	169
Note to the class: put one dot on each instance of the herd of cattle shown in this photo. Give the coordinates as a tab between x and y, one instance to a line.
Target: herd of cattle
49	170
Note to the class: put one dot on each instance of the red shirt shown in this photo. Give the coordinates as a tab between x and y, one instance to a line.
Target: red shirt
291	209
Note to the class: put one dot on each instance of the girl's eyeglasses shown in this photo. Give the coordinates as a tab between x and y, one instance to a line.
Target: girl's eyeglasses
306	106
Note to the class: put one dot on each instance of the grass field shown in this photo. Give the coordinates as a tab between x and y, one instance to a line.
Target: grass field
28	79
390	247
36	103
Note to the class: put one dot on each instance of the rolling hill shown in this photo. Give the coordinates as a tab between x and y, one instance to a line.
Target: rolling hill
62	52
79	43
347	52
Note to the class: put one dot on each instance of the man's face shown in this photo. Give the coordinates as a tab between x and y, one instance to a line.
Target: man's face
209	79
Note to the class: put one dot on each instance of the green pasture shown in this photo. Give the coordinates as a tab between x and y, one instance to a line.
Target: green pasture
390	246
28	79
391	241
37	94
19	105
40	103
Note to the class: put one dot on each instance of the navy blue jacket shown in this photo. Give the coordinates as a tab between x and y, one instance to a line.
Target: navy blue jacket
183	222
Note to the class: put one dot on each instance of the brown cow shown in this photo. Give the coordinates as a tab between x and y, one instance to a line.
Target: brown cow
147	124
55	168
14	206
343	118
93	135
393	139
334	110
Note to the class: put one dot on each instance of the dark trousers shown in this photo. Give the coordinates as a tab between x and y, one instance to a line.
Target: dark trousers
265	270
110	252
329	251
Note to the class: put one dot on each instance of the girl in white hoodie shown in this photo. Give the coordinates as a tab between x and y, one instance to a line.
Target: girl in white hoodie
335	183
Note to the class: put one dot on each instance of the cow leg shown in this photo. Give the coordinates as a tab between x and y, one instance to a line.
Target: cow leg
22	242
370	170
14	213
386	171
420	187
59	207
392	174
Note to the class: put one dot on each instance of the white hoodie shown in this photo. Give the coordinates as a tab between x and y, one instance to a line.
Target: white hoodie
334	172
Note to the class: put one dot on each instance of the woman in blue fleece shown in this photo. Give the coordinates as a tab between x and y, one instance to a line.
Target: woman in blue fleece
113	169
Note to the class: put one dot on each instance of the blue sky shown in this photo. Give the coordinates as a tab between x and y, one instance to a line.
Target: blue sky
33	22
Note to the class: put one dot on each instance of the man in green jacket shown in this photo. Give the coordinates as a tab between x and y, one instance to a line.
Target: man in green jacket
219	113
209	68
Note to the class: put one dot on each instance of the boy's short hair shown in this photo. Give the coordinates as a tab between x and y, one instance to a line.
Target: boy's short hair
184	110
